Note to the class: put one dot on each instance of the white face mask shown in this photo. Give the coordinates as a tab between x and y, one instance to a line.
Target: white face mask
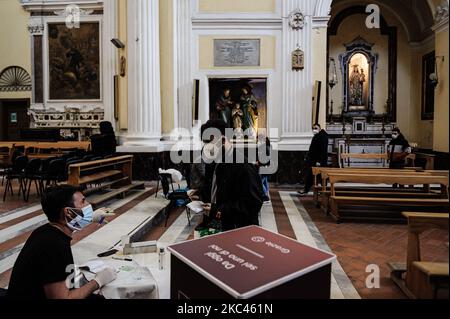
82	220
394	136
316	131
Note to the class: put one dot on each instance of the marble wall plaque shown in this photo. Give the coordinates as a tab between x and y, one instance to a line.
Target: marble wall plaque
237	52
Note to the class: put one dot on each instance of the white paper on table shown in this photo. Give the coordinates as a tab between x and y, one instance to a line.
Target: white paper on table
94	266
132	282
196	207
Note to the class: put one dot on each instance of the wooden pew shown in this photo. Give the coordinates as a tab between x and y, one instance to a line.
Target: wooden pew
60	147
375	193
347	156
416	278
114	173
39	147
325	171
388	205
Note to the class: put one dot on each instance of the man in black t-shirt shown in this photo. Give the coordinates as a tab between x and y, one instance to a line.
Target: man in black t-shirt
45	266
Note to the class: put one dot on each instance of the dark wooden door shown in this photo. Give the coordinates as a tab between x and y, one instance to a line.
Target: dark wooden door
15	118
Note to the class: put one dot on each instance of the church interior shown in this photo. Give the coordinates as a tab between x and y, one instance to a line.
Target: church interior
111	99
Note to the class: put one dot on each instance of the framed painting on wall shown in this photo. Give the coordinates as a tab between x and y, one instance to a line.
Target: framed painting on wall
241	103
74	62
428	68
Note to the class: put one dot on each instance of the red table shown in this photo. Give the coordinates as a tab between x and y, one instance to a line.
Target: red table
249	263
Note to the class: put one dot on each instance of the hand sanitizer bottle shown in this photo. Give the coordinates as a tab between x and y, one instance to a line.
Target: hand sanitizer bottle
161	254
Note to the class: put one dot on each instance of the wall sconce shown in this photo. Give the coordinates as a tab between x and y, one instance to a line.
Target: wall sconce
434	77
332	82
123	66
117	43
298	60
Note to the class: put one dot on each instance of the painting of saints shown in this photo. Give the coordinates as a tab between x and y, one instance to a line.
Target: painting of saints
250	109
224	105
237	115
241	103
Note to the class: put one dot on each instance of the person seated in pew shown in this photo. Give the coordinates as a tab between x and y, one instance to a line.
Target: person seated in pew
45	264
317	157
105	143
399	149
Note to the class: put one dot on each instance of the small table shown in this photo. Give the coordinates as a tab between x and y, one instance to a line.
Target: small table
249	263
133	281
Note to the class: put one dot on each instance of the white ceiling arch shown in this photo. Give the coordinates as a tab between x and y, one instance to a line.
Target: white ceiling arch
415	16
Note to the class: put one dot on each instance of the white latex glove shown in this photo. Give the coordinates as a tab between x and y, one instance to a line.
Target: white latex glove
105	276
101	213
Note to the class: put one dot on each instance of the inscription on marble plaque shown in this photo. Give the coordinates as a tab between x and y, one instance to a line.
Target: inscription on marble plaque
237	52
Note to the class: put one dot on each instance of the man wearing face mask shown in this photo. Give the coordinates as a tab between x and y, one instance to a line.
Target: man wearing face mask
317	156
45	263
399	149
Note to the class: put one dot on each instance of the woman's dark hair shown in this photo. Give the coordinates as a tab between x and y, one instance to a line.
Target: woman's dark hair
106	128
213	124
55	199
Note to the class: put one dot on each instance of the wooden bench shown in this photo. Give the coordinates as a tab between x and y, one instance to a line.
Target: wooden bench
114	173
375	193
363	207
325	171
61	147
384	157
381	208
419	279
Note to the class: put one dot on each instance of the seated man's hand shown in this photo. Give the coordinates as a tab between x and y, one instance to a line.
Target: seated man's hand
102	213
105	276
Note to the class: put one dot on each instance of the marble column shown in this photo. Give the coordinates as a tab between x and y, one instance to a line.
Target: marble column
441	111
144	93
183	56
110	56
36	29
297	85
320	22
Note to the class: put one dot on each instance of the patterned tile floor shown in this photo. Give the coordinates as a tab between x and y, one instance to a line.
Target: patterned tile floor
356	245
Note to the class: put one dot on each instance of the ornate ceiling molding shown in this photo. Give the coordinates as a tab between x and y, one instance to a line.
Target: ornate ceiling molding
71	117
15	79
53	6
70	11
441	17
36	28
